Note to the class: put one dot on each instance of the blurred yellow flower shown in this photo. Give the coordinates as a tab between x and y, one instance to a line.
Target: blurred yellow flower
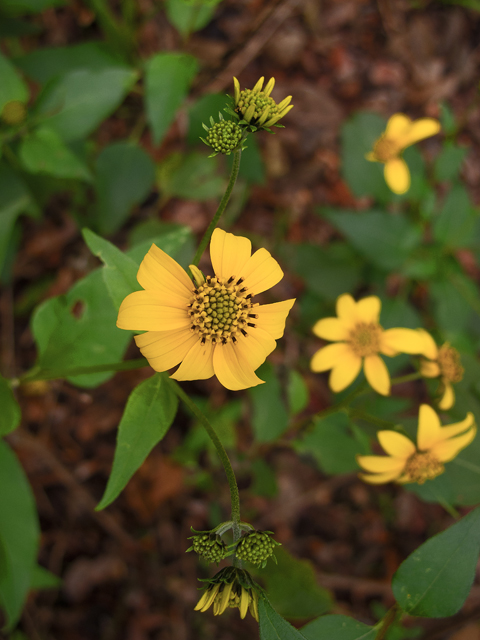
400	133
213	327
443	363
359	341
407	463
230	587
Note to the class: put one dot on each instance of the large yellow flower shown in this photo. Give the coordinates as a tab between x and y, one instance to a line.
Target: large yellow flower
400	133
214	327
444	363
359	341
407	463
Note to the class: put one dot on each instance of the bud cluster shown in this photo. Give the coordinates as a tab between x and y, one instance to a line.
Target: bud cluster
209	545
256	547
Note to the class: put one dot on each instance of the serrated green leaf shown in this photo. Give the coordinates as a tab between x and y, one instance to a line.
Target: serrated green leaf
269	414
149	412
338	628
10	415
19	535
434	581
12	87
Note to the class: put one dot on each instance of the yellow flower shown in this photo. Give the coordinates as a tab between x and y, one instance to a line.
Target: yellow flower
230	587
407	463
257	107
400	133
444	363
359	341
213	328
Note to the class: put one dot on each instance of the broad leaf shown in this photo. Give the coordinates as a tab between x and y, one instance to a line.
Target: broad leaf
269	414
148	415
449	162
44	579
192	176
338	628
273	626
12	87
10	415
454	225
188	17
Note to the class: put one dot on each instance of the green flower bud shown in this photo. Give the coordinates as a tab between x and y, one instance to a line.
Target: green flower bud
209	545
224	136
256	547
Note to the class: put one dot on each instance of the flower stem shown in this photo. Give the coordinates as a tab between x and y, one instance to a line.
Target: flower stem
222	454
367	417
410	377
221	207
387	622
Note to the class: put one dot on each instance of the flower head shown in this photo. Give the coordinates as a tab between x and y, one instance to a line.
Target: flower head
212	327
407	463
359	340
230	587
443	363
400	133
224	136
209	545
256	547
257	108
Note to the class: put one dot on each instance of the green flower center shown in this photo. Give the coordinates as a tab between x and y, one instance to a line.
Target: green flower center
450	364
365	339
261	102
385	149
421	467
222	310
224	136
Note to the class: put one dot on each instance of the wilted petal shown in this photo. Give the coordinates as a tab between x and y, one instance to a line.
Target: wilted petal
448	398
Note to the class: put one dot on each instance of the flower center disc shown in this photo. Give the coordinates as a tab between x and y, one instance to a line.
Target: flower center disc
221	310
261	102
365	339
421	467
385	149
450	365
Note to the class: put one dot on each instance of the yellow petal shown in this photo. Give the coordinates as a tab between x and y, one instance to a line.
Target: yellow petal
224	599
236	90
429	369
448	449
377	374
331	329
396	444
429	428
448	398
229	254
345	307
261	272
402	341
147	311
160	272
255	346
231	368
197	364
459	427
345	371
430	349
165	349
208	597
259	85
368	309
419	130
379	478
397	126
272	317
329	356
381	464
244	600
269	88
397	175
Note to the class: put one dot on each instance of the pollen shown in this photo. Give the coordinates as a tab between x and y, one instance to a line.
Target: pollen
450	364
422	466
220	310
385	149
364	339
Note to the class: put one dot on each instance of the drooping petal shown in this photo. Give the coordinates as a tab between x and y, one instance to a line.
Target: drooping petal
448	398
455	429
344	372
197	364
429	369
402	341
376	373
261	272
419	130
330	356
380	464
160	272
449	449
272	317
429	428
229	254
397	175
396	444
368	309
378	478
165	349
331	329
232	370
397	126
346	307
148	311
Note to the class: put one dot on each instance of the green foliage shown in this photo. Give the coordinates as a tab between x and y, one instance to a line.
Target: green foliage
434	580
151	405
339	628
11	414
449	162
190	177
188	17
12	86
273	626
19	536
43	579
297	392
18	7
269	414
453	227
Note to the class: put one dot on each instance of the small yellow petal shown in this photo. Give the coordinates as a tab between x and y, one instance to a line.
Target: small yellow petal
429	428
396	444
430	349
368	309
397	175
403	341
236	90
345	307
165	349
452	430
449	449
329	356
397	126
258	87
448	398
272	317
381	464
419	130
377	374
229	254
379	478
429	369
197	363
232	370
331	329
160	272
144	311
345	371
244	600
269	88
261	272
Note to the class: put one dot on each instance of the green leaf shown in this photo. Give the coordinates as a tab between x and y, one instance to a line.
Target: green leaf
124	175
383	239
200	111
297	392
338	628
18	7
150	411
10	414
78	329
252	168
19	535
192	176
264	480
176	240
434	581
12	87
454	225
43	151
167	80
119	272
292	586
269	414
188	17
447	119
449	162
450	309
76	103
273	626
43	579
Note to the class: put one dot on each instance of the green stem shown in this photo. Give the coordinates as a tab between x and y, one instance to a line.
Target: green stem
387	622
47	374
367	417
416	375
221	207
222	454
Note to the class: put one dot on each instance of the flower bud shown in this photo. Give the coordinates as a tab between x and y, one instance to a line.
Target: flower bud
256	547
